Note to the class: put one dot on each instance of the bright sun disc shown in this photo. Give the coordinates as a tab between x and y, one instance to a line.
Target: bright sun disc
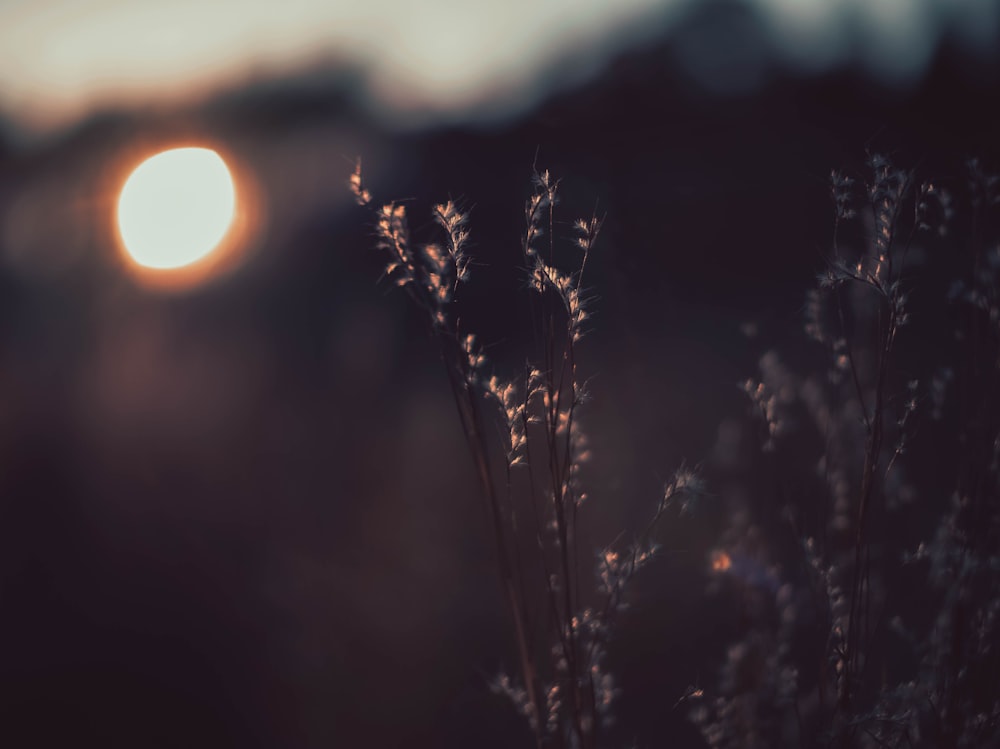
176	207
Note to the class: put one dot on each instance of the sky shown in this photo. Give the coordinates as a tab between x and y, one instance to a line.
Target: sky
61	59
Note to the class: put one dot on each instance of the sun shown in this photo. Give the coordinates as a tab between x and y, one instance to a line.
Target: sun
176	208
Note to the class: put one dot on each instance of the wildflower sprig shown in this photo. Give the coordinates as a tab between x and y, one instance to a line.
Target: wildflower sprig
865	410
563	690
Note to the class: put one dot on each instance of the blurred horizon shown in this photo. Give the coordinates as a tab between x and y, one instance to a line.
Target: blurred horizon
63	61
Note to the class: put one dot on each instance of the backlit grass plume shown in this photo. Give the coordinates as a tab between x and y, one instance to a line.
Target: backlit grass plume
562	688
855	639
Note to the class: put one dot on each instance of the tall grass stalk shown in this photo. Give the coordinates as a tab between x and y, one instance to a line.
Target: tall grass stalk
530	477
820	664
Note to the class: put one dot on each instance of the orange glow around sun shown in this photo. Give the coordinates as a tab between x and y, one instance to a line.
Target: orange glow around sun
180	216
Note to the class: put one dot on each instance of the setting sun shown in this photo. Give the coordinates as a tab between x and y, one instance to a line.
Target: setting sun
176	207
